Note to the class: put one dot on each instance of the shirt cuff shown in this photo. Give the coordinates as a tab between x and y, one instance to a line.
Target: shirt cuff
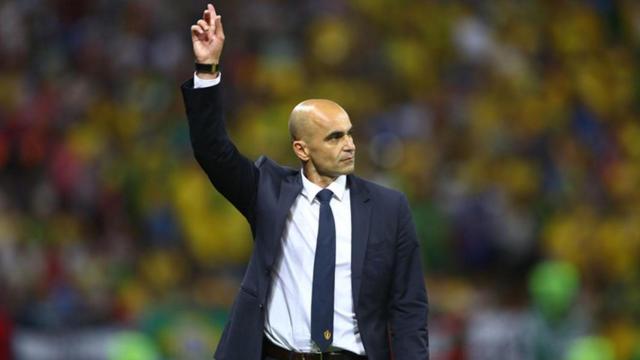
203	83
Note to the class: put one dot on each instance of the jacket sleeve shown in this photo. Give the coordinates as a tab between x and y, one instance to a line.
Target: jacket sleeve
408	306
230	172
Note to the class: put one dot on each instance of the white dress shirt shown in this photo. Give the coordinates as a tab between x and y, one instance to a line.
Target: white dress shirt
288	321
288	317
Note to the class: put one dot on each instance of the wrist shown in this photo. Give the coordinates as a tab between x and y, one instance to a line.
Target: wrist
207	70
207	61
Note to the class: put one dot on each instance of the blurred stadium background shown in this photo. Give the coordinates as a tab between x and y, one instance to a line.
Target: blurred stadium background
512	126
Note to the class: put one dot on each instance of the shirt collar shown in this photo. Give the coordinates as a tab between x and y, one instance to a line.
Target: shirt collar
310	190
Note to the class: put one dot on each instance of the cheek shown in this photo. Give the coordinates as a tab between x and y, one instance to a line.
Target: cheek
330	153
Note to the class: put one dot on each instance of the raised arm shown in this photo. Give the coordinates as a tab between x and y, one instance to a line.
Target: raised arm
232	174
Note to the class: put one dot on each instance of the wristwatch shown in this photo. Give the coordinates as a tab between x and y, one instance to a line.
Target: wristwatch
207	68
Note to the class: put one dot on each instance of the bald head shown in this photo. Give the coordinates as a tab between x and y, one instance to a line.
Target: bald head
321	134
312	115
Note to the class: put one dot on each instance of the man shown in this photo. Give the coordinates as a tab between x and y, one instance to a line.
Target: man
335	271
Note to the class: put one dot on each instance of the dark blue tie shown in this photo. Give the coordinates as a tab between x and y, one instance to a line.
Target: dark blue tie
324	268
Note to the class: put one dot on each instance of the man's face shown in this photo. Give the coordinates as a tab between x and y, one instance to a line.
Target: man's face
330	144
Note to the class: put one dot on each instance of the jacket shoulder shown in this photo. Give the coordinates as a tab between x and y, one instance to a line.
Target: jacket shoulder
377	191
268	166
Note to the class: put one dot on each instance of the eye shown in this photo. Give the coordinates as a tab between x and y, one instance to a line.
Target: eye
338	135
334	136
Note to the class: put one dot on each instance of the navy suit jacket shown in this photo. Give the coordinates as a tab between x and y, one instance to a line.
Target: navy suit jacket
389	296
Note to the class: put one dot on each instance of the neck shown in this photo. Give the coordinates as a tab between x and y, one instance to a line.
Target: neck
312	175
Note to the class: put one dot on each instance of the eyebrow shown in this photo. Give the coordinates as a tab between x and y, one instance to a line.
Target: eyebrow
338	134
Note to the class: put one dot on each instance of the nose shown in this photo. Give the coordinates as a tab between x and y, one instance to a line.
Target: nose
349	145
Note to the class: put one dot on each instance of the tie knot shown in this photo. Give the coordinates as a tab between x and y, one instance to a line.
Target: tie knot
324	195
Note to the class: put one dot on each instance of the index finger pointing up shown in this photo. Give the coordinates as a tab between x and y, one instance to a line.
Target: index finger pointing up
212	13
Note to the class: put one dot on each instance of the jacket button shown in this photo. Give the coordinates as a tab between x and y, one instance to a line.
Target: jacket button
261	306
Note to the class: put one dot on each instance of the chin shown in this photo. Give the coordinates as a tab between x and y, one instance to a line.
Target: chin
348	170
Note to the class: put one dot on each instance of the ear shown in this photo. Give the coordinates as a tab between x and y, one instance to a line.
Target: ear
300	149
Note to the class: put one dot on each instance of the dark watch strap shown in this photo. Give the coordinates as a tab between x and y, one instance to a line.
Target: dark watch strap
207	68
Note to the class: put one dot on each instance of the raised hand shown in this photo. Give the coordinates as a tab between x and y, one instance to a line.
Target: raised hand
207	37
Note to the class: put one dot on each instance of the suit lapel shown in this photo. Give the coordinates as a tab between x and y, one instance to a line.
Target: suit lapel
360	219
289	190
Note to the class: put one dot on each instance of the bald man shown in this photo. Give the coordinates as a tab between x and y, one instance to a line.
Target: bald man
335	270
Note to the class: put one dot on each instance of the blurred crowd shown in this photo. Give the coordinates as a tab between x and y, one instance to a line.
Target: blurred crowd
512	126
